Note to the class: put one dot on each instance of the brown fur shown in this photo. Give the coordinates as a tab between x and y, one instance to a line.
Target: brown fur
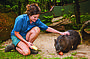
65	42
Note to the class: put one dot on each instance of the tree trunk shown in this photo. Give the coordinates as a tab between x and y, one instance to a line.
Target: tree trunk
49	5
26	1
41	3
54	2
77	11
19	8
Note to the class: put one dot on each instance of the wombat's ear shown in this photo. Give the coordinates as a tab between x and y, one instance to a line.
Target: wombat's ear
66	34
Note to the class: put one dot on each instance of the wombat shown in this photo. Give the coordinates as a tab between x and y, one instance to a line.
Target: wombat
66	42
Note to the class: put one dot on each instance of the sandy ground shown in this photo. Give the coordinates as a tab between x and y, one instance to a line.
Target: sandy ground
45	44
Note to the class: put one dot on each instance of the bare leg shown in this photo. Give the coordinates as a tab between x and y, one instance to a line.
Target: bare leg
23	48
32	34
30	37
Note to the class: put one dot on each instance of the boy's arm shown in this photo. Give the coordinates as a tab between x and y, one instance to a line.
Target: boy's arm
22	39
49	29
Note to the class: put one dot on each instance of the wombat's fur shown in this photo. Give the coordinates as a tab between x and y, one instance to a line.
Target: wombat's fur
66	42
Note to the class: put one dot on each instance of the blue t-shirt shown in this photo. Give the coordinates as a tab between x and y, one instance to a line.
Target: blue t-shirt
22	25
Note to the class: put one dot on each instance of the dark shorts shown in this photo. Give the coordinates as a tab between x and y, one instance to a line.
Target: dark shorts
15	40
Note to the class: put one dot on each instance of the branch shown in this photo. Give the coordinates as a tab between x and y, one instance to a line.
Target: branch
47	11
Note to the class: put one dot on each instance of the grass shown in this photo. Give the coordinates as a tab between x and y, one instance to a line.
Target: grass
15	55
74	53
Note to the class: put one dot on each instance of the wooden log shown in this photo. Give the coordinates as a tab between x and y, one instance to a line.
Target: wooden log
85	35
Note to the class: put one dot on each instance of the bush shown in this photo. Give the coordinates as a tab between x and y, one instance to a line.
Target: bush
47	19
6	24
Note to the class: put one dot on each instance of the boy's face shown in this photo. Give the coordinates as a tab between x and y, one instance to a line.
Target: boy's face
33	18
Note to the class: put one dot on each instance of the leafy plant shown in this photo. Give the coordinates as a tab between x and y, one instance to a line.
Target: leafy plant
8	6
83	58
87	29
84	18
76	26
73	53
65	16
14	8
62	9
0	41
47	19
68	57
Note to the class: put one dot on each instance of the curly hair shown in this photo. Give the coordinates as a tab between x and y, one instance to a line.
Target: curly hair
33	9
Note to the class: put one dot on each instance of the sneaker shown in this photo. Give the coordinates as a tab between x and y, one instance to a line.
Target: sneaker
10	47
33	51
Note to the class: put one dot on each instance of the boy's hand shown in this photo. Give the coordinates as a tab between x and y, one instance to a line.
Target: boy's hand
29	44
65	33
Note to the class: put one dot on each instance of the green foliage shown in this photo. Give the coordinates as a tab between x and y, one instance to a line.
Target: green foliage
87	29
65	16
58	1
15	8
73	53
20	0
2	47
0	41
1	6
47	19
76	26
84	18
70	13
62	9
15	55
68	57
8	6
83	58
45	10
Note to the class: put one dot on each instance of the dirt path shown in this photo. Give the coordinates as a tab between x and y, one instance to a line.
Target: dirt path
45	43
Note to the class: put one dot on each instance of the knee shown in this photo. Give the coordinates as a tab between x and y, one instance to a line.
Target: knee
26	52
37	29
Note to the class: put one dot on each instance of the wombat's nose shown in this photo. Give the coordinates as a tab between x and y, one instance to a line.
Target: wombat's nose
58	51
